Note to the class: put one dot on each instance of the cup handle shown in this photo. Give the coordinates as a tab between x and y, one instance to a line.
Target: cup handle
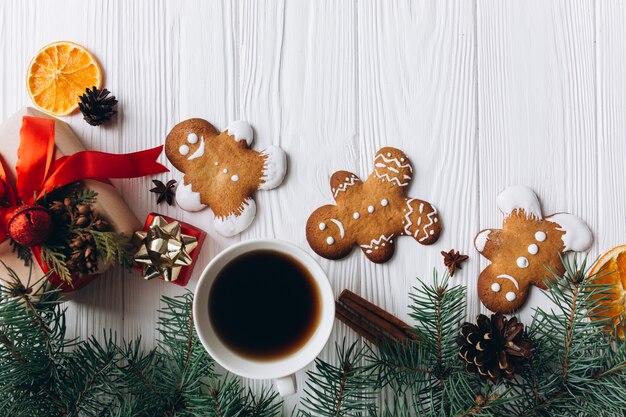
286	385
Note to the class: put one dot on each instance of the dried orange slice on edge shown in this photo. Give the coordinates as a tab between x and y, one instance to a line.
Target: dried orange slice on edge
610	270
59	74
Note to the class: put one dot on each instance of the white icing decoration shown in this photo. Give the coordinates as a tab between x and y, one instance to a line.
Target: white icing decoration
540	236
199	152
510	278
522	262
430	217
187	199
192	138
241	131
330	240
533	249
342	187
385	176
215	163
402	159
234	178
342	232
322	226
378	241
519	197
356	215
370	209
409	222
274	168
183	150
577	236
421	208
510	296
384	202
225	171
237	222
495	287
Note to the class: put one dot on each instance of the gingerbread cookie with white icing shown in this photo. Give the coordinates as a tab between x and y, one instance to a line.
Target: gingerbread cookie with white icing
524	248
371	214
221	171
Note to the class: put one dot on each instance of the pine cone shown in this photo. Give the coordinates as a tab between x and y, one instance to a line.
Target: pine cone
494	347
96	105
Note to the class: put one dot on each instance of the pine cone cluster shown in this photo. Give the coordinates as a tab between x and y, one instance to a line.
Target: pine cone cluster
83	217
494	347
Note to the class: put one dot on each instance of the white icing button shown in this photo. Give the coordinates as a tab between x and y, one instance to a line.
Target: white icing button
184	149
234	178
522	262
322	226
495	287
356	215
192	138
330	240
510	296
384	202
376	248
388	154
370	209
402	159
540	236
215	163
533	249
225	171
347	179
432	232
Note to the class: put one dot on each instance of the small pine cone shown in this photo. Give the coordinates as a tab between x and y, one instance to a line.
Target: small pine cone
101	225
97	106
57	206
82	221
494	347
83	208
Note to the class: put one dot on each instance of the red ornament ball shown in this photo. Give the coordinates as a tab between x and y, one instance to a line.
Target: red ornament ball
30	225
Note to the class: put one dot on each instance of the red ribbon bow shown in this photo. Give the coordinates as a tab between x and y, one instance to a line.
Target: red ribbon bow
38	173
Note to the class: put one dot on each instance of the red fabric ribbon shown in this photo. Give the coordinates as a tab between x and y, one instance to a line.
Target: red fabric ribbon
38	173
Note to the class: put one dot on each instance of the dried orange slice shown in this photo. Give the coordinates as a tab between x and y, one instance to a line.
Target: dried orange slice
610	270
59	74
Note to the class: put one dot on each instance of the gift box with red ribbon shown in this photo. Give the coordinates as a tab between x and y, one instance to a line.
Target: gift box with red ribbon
167	249
39	155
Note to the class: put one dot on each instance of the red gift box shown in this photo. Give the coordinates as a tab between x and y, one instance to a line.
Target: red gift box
186	229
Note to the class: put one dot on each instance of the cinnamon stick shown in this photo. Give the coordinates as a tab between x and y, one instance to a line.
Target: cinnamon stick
370	321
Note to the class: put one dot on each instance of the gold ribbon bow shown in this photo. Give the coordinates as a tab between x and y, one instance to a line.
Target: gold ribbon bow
163	249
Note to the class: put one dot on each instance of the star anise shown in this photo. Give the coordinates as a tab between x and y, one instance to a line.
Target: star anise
165	192
453	260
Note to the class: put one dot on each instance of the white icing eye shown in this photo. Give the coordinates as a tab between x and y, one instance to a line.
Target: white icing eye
215	163
510	296
533	249
225	171
234	178
495	287
184	149
347	179
384	202
356	215
540	236
370	209
522	262
330	240
322	226
192	138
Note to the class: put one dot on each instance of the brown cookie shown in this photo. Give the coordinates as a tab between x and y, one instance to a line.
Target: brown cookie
221	171
523	250
372	213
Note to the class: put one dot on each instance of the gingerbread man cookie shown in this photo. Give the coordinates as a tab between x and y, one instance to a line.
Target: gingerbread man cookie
371	214
221	171
524	248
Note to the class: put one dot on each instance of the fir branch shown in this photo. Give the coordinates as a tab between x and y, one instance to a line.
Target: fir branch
55	258
112	247
344	389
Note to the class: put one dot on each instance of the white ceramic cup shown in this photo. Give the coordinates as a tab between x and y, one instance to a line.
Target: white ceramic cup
281	370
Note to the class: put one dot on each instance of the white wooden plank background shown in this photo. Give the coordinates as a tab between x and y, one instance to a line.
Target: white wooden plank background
481	94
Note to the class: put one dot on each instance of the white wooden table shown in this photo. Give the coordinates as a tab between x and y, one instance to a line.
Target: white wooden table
481	94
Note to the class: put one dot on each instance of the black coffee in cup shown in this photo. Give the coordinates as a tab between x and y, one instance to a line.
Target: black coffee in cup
264	305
